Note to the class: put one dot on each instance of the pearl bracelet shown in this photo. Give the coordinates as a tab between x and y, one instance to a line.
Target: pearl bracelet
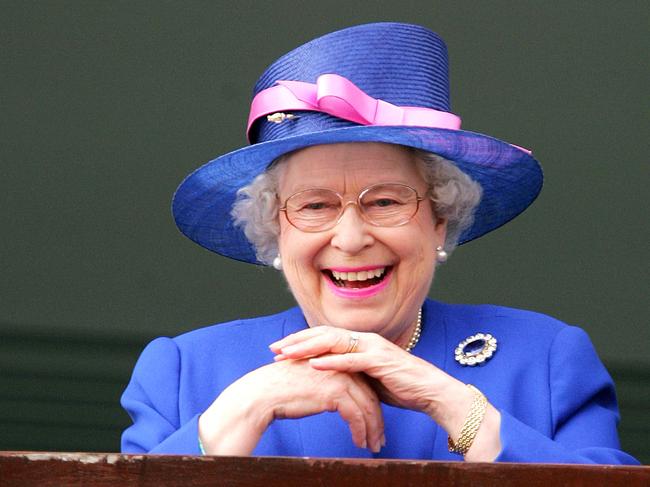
471	425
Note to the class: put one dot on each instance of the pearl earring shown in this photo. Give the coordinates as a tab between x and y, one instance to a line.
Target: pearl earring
441	255
277	263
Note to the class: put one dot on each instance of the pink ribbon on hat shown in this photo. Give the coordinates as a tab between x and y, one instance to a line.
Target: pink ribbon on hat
338	96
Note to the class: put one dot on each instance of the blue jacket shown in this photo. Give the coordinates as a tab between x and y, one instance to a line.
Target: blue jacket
556	399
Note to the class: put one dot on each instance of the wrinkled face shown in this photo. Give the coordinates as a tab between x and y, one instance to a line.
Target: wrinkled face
356	275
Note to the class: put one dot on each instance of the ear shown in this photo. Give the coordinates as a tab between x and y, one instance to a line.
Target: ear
440	229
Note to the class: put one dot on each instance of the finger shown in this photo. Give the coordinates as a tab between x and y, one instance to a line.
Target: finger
333	341
353	415
347	362
368	403
362	393
326	339
297	337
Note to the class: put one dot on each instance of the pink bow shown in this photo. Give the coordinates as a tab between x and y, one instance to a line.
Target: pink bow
338	96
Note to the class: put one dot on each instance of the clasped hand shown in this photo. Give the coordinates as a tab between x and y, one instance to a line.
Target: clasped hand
395	376
312	373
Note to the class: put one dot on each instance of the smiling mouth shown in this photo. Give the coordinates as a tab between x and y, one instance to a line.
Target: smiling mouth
358	280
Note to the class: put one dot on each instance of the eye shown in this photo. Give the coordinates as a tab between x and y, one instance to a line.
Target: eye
388	197
381	203
384	202
317	205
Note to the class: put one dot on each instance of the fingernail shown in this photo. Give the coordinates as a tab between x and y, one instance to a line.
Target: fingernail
377	447
364	444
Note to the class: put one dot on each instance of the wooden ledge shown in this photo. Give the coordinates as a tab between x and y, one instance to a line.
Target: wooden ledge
111	469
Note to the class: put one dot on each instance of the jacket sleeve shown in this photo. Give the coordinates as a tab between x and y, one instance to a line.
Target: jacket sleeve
151	399
584	413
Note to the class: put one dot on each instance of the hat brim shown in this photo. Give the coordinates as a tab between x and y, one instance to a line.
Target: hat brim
510	177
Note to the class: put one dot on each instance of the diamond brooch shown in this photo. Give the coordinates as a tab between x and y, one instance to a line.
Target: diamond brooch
476	349
280	117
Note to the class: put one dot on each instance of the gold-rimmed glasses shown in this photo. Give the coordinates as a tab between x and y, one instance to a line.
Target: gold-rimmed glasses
382	205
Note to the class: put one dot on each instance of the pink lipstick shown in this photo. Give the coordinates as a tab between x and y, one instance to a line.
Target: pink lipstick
357	292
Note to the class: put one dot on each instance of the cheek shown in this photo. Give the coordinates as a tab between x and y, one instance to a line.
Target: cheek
303	277
421	251
423	260
296	246
299	251
420	272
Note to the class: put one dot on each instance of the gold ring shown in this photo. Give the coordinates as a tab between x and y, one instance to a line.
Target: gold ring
354	343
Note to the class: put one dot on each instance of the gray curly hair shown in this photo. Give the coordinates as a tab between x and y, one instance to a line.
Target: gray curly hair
454	196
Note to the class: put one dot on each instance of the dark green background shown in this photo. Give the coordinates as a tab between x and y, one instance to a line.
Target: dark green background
106	105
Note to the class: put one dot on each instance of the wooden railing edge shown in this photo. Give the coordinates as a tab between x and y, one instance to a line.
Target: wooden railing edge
69	468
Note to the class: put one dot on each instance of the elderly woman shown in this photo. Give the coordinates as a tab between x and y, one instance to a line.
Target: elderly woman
357	184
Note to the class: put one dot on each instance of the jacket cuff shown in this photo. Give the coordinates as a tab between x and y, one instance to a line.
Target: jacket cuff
521	443
185	439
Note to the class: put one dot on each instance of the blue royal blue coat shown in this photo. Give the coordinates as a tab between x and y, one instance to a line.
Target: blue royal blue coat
557	401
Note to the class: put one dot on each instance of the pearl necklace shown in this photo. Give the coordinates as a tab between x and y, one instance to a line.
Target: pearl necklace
415	337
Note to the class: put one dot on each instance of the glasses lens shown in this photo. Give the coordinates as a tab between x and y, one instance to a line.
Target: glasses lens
313	209
389	205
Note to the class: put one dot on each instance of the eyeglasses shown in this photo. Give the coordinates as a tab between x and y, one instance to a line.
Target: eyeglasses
382	205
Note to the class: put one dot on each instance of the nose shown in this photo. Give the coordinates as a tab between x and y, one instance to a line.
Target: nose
352	233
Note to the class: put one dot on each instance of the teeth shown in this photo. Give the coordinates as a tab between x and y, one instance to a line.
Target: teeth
358	276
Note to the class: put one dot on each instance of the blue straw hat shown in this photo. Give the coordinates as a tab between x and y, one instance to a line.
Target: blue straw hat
402	65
